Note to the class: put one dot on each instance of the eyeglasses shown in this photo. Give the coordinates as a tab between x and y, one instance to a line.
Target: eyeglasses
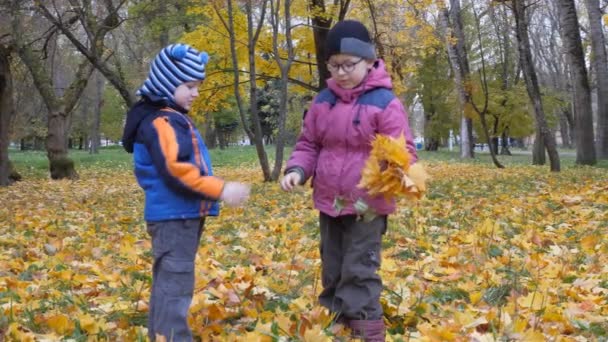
347	67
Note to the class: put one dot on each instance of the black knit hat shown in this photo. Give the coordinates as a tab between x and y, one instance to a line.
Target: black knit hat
352	38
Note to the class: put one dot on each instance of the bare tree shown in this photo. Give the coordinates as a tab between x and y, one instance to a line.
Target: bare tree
570	31
96	27
59	106
525	58
600	66
557	68
284	67
482	112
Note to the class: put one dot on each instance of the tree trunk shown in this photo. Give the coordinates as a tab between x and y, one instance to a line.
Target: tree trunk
321	24
6	114
460	67
221	137
56	146
96	124
431	144
585	144
538	150
564	128
599	61
253	97
504	150
210	133
532	86
494	144
284	66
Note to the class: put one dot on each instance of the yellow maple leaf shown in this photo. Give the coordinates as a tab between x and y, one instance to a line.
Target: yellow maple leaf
60	324
91	324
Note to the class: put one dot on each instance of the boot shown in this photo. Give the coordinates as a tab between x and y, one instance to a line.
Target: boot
369	331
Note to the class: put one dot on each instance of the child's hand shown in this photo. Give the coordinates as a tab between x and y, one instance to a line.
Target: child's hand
235	194
290	181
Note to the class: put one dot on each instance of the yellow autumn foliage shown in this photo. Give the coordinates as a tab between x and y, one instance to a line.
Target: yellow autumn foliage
387	171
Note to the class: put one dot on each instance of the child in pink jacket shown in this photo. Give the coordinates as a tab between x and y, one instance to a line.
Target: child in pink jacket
332	149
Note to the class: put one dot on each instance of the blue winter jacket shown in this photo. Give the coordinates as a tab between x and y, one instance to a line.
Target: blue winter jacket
171	162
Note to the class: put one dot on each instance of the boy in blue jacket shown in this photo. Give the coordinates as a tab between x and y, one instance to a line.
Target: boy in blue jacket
173	167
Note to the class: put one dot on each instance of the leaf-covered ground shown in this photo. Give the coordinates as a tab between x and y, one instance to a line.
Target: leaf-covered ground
515	254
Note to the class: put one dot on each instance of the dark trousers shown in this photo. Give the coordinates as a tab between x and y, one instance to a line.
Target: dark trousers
174	246
351	256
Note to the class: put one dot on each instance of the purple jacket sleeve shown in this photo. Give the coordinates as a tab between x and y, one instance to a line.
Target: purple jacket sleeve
304	156
394	121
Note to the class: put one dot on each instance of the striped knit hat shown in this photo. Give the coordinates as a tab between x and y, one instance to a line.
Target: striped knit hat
174	65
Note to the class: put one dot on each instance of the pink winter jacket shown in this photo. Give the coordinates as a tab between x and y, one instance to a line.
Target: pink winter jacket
336	140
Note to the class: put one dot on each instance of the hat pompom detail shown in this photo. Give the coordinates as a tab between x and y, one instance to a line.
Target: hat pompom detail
179	52
204	57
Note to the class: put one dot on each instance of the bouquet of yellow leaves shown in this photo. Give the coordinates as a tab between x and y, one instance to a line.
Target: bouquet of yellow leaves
388	172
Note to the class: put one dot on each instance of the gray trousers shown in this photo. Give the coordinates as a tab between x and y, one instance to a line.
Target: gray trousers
350	256
174	246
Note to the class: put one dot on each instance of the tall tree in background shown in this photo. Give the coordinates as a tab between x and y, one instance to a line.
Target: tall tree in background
452	22
599	61
284	63
7	103
6	113
525	59
570	32
95	132
558	70
482	112
59	105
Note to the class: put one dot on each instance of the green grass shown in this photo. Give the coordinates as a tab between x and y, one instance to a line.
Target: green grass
35	163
